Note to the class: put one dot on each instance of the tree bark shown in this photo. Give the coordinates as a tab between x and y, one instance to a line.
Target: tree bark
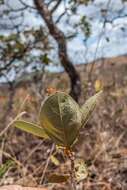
59	36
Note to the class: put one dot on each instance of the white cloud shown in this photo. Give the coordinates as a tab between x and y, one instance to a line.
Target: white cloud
77	50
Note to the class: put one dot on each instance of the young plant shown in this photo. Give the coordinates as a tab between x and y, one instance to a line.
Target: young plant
61	119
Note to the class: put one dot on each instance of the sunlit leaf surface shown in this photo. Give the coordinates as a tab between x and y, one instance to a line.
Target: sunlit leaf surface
54	160
60	116
31	128
88	108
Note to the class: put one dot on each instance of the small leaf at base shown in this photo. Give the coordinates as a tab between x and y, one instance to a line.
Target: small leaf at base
54	160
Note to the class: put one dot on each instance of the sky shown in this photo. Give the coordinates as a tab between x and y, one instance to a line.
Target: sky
118	38
97	45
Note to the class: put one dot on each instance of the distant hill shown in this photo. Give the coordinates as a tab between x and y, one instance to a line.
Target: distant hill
103	65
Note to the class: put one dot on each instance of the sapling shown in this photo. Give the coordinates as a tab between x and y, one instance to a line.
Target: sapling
60	119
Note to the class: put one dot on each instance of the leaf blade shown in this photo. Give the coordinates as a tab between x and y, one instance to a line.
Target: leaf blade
88	108
4	167
61	118
31	128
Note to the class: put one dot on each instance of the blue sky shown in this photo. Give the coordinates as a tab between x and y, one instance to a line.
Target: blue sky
80	52
117	44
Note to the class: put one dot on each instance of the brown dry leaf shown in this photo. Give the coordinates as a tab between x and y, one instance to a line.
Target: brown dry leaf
56	178
123	152
17	187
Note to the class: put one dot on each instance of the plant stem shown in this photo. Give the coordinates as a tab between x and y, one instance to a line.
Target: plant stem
72	172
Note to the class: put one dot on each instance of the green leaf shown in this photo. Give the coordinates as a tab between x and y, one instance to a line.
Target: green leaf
45	59
88	108
54	160
31	128
61	118
1	2
55	178
4	167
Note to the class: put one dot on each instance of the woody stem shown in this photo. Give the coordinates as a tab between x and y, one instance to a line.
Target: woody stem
72	171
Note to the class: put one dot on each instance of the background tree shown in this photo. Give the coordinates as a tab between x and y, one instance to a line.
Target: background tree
26	47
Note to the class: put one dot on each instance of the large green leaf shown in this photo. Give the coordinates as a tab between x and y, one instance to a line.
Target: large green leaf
31	128
61	118
88	107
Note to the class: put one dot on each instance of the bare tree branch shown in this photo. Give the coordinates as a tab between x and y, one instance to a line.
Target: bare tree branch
26	5
55	6
58	35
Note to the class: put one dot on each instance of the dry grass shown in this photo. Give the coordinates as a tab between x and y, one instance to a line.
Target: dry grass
102	144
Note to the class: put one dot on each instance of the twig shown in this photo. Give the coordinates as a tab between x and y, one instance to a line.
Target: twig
20	114
72	171
6	128
98	43
1	153
47	163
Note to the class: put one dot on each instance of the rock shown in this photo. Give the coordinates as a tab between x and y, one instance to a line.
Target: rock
17	187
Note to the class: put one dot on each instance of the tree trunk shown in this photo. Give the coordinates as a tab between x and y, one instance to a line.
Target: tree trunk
58	35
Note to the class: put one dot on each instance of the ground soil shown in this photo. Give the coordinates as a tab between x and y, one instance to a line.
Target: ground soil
102	143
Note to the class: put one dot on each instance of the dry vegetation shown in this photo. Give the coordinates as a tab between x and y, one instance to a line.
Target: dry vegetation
102	143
